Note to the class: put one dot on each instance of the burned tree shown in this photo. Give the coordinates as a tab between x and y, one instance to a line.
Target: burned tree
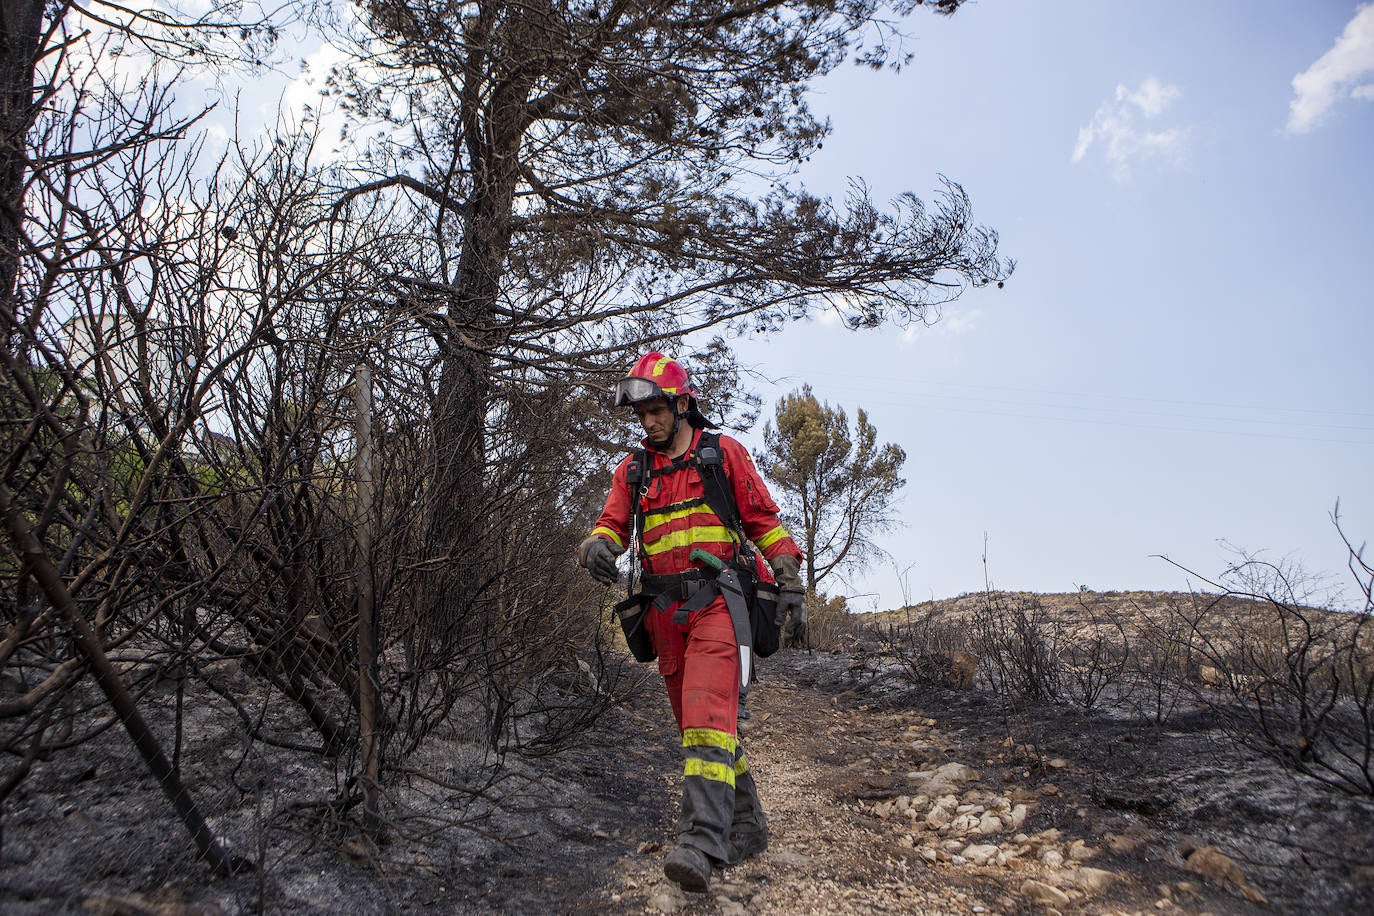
599	176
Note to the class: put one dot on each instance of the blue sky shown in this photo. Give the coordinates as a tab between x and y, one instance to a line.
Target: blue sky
1183	357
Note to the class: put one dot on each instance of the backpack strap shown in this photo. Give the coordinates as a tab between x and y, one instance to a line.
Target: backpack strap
720	496
709	461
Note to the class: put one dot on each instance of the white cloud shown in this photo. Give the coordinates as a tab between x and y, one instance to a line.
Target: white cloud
1335	74
1118	128
1151	98
945	324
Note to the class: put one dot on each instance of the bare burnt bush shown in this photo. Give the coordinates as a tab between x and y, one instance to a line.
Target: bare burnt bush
1094	654
932	648
1288	673
1162	660
181	504
1017	644
530	644
830	625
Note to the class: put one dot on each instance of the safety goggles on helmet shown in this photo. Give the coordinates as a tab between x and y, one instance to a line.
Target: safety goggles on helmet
633	389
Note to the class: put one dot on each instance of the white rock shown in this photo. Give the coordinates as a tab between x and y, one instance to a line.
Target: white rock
938	786
666	901
938	817
1039	892
1001	804
964	823
883	810
989	823
1092	879
1080	852
980	854
1052	858
1018	816
930	855
955	772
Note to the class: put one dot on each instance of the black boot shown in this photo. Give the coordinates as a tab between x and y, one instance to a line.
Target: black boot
690	868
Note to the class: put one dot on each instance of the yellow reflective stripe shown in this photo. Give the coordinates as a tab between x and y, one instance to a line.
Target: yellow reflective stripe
741	766
710	737
677	510
718	772
659	366
602	529
772	537
715	534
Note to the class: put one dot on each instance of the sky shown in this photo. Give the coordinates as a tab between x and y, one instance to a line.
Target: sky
1181	364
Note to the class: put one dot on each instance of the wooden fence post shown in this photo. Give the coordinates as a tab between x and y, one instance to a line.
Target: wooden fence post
368	711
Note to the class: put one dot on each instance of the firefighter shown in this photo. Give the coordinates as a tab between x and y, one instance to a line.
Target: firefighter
722	820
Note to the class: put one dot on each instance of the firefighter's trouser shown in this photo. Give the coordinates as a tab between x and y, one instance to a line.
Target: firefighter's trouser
699	661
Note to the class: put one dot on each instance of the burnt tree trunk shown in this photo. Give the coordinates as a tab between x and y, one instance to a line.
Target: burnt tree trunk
21	21
459	524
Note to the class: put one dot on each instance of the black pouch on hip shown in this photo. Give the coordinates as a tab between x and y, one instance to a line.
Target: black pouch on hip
630	613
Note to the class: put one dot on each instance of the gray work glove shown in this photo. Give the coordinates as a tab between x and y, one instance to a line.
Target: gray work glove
791	595
793	603
598	555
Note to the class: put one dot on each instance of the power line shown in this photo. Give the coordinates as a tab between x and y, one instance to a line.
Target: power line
1079	394
1179	429
906	402
1147	413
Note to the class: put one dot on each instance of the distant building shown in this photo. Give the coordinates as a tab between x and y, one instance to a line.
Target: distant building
108	349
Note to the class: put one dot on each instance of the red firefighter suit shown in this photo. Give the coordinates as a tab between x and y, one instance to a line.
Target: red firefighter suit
698	657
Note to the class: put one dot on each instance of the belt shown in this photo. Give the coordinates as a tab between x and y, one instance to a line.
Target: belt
678	586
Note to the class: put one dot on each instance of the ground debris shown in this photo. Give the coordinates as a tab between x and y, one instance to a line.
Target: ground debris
887	804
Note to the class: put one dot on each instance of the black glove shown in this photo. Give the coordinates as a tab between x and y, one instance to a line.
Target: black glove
598	555
791	596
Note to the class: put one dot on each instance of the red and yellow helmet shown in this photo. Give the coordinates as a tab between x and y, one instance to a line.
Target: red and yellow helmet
653	376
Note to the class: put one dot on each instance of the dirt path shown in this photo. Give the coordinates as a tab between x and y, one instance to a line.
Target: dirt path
851	767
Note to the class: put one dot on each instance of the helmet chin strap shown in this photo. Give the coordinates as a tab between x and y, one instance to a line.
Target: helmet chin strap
678	417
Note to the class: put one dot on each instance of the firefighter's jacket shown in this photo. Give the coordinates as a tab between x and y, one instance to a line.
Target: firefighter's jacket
677	518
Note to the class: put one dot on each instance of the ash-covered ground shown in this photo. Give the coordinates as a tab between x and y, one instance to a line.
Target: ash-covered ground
883	797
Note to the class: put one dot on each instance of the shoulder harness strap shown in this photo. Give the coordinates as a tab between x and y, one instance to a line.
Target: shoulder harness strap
709	461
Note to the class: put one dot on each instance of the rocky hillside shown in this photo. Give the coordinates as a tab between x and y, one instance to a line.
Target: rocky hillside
1137	606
